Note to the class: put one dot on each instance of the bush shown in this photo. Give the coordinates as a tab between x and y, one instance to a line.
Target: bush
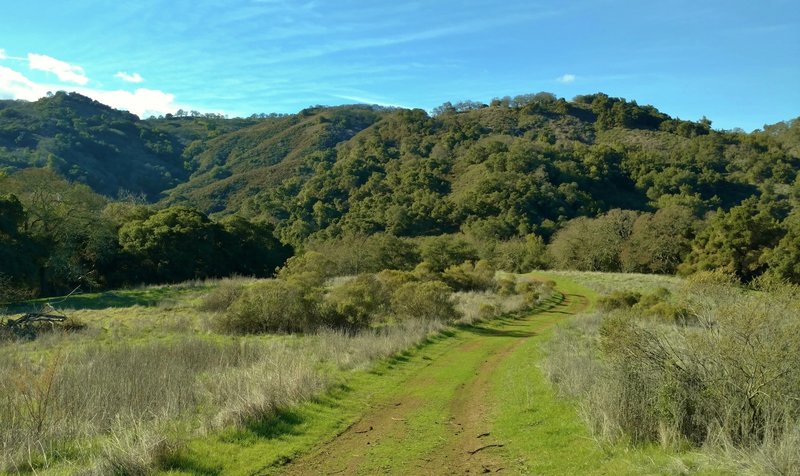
521	255
309	269
445	250
470	277
392	279
730	377
619	300
272	306
506	285
424	300
356	303
222	296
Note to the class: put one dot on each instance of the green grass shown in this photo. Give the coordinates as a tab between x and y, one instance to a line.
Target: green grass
547	433
148	296
605	283
264	447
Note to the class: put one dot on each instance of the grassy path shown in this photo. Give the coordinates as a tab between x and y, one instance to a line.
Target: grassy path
442	419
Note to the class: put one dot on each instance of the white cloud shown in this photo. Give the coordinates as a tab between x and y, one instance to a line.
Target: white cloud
64	71
142	102
130	78
14	85
3	54
566	79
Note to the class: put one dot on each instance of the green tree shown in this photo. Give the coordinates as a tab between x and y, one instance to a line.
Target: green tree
174	244
447	250
784	259
248	248
736	241
659	242
593	244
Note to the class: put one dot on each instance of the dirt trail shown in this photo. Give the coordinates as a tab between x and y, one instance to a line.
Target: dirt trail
439	420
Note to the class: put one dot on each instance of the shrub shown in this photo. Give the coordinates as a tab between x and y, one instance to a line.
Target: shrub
506	285
222	296
424	300
272	306
445	250
392	279
425	272
619	300
730	377
309	269
470	277
356	303
521	255
532	291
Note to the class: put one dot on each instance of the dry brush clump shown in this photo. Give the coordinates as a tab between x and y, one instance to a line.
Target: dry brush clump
728	378
55	404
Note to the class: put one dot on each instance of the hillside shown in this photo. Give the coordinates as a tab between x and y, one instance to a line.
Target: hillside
227	169
112	151
518	167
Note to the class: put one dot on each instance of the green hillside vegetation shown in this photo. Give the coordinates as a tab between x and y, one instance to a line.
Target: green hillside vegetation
606	184
227	169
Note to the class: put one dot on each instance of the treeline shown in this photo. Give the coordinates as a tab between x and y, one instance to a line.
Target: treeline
56	235
757	237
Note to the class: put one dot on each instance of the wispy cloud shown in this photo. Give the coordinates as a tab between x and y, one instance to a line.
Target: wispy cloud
129	78
464	27
3	54
64	71
363	99
566	79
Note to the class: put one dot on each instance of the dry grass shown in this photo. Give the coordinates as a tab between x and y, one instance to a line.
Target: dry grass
728	382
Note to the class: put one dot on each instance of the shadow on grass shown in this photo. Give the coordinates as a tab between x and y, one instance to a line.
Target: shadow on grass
124	298
183	462
493	332
283	422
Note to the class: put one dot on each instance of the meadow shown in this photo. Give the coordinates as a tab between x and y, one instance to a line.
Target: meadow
152	367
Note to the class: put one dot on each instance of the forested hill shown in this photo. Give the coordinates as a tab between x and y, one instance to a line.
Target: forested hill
516	166
112	151
512	167
229	168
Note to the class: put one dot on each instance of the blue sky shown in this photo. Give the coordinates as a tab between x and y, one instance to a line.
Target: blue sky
736	62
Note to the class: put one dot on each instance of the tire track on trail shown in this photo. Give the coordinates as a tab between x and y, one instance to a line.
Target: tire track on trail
439	419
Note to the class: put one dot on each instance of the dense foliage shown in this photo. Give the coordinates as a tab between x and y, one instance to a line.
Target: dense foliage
56	235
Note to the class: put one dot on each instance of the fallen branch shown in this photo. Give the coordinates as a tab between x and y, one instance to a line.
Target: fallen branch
485	447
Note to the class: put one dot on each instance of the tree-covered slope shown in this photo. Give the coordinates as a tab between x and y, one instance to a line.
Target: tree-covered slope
520	166
111	151
231	167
